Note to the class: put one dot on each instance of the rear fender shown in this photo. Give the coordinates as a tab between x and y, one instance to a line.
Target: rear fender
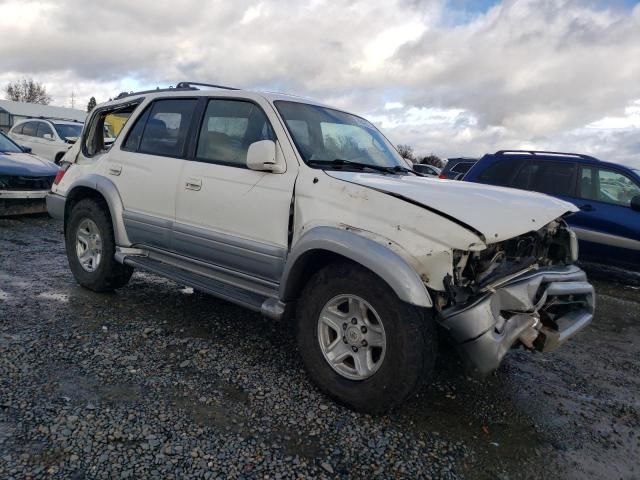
109	192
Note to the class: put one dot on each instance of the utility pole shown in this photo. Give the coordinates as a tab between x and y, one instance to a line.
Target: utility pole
73	99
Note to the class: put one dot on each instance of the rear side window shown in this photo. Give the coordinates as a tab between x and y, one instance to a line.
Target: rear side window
18	129
502	172
553	178
228	128
44	129
30	129
167	126
135	135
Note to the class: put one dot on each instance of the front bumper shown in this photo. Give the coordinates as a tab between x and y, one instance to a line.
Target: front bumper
22	202
22	194
540	309
55	205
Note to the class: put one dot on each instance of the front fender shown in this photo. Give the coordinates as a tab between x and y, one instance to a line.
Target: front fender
375	256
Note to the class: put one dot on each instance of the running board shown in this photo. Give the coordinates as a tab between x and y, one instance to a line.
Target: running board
268	306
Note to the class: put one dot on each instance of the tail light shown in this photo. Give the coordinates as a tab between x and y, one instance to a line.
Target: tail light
59	176
442	176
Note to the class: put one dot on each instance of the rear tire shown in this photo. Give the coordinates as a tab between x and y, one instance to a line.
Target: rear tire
400	340
91	247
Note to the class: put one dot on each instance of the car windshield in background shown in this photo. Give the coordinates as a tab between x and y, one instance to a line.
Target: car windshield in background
68	131
7	146
326	135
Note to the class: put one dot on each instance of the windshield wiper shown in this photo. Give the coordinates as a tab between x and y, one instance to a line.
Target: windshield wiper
339	162
398	168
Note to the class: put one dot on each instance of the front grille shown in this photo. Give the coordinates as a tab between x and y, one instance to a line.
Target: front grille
15	182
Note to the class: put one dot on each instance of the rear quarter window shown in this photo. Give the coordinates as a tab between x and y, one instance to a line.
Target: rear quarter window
552	178
30	129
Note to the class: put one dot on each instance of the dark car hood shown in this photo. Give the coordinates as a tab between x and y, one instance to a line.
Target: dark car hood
26	165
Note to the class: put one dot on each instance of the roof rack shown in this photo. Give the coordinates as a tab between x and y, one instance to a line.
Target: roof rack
181	86
548	153
199	84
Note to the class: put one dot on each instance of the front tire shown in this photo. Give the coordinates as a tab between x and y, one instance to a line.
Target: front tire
91	247
359	342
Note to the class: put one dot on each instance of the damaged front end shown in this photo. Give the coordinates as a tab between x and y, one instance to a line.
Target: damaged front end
523	291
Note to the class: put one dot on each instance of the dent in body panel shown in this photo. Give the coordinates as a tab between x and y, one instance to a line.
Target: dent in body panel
362	249
416	235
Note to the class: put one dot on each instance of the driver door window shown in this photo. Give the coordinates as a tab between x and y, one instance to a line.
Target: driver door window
607	186
228	129
350	142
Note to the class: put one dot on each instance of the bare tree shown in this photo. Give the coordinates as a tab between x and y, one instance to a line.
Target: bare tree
432	159
27	90
406	152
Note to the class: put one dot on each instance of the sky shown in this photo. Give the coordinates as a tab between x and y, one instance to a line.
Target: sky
448	77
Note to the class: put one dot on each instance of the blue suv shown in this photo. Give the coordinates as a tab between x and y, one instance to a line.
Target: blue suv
607	194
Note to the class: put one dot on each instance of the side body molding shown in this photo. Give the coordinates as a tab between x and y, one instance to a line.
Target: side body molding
384	262
111	195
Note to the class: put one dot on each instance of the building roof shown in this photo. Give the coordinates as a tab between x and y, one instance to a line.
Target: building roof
34	110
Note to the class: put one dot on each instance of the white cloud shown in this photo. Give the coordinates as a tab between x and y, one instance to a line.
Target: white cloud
252	13
559	74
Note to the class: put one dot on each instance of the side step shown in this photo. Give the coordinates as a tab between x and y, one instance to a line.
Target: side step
268	306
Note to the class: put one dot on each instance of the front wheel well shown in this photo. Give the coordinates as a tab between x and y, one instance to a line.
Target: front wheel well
307	266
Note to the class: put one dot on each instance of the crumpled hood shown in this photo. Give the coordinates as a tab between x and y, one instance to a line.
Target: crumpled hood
26	165
497	213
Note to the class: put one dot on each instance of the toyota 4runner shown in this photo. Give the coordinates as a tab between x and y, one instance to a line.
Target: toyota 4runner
281	204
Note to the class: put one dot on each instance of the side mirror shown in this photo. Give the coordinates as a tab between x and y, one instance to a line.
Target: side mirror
635	203
47	136
25	149
262	157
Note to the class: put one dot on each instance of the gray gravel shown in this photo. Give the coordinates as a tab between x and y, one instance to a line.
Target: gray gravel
158	381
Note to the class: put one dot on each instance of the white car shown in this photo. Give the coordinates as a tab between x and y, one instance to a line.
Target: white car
425	169
287	206
47	138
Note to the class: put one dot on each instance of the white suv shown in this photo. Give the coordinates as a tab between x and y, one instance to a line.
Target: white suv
47	138
284	205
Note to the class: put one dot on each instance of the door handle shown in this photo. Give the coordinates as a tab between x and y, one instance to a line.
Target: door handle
586	208
115	170
193	184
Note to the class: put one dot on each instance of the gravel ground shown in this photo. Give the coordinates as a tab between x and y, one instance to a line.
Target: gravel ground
158	381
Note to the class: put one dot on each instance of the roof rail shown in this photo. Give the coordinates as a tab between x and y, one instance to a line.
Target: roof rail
199	84
182	86
549	153
155	90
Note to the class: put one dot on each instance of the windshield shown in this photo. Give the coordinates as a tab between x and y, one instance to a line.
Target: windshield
65	130
324	134
7	145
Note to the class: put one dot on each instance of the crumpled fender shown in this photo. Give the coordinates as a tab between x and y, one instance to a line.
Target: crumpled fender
350	243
